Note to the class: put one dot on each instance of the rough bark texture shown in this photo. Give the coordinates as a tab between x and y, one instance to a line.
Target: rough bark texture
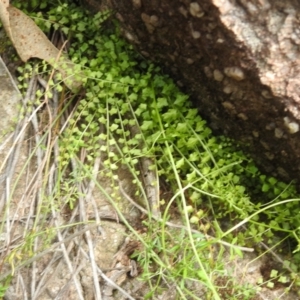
240	61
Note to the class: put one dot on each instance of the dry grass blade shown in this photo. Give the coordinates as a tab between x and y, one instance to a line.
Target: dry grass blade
38	172
150	179
9	163
51	249
84	218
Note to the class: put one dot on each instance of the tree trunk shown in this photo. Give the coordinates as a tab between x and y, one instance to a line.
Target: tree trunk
239	59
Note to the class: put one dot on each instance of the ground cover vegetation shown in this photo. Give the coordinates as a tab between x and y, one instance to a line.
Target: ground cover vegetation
129	111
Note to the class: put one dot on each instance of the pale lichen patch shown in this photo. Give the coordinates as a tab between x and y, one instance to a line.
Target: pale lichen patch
235	73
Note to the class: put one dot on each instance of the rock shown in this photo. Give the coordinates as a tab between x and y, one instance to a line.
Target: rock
222	52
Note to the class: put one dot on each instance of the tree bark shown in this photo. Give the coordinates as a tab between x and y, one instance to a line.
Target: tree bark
239	59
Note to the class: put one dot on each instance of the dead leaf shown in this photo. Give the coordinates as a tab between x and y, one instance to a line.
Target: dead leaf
4	16
30	41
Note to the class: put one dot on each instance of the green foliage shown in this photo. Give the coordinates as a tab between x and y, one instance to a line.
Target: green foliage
131	110
124	91
4	286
